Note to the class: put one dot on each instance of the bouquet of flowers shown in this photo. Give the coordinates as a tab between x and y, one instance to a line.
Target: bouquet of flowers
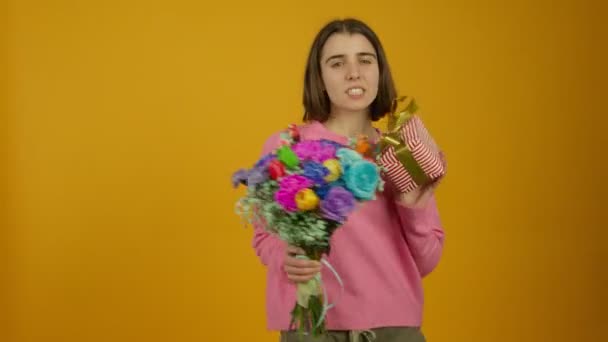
302	192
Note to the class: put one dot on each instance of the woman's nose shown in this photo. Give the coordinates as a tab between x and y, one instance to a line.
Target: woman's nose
352	72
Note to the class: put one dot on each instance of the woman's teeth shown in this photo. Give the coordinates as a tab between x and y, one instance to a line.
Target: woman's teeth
355	91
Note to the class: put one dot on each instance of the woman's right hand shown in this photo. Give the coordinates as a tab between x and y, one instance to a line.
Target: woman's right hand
299	270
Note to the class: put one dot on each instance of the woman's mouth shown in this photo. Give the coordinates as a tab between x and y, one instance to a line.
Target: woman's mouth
355	93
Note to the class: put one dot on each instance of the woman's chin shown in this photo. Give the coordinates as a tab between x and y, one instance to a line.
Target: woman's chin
354	107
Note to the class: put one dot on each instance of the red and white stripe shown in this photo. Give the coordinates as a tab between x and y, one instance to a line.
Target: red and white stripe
424	150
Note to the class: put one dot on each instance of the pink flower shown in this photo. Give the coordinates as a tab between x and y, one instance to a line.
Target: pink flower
288	187
314	150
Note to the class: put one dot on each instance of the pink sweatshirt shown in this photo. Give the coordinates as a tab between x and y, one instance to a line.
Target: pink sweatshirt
381	253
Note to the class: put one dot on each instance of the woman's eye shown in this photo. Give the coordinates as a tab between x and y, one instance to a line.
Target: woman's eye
366	61
336	64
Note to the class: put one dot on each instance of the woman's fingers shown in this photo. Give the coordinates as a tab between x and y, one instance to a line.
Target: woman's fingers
302	270
301	263
299	270
293	250
299	279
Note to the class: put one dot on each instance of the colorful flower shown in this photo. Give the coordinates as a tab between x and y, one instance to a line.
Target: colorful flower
315	172
334	169
306	199
362	146
288	187
293	131
239	177
287	156
256	176
347	157
332	143
322	190
337	204
276	169
314	150
263	162
362	179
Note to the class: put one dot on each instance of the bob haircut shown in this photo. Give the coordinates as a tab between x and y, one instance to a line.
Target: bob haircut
316	101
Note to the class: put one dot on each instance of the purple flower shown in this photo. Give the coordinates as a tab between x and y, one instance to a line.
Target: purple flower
314	150
239	177
337	204
315	172
256	176
288	187
332	143
263	162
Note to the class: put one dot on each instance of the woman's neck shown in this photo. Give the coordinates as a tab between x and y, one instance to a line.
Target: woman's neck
350	124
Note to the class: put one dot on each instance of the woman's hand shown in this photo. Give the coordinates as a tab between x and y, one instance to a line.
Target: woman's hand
299	270
419	197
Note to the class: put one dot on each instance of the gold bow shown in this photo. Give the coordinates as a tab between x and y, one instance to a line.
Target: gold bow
402	111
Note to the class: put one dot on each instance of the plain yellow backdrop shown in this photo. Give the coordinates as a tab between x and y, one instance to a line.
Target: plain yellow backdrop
125	119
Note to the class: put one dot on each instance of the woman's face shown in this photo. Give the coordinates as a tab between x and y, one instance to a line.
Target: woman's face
350	73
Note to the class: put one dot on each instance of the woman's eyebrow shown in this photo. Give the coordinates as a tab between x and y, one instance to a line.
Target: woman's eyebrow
360	54
333	57
370	54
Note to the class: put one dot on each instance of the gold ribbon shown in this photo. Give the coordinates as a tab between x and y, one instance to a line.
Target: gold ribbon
402	111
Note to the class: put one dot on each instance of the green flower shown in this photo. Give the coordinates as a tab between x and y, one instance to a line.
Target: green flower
288	157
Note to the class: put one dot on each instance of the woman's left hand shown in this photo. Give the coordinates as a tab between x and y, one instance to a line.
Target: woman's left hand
419	197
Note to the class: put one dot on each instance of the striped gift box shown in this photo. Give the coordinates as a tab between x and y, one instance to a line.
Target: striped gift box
415	162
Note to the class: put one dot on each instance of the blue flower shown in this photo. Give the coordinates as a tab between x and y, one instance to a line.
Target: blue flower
323	189
338	182
347	157
362	179
315	172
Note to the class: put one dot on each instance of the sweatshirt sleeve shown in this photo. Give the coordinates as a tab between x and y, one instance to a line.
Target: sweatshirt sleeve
268	247
424	234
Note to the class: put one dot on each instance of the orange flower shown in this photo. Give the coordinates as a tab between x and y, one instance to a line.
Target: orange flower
362	146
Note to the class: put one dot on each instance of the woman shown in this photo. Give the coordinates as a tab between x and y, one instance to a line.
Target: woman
387	245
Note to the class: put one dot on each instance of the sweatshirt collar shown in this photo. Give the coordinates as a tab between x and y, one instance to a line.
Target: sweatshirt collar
320	131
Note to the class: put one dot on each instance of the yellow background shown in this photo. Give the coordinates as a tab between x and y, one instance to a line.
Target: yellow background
123	120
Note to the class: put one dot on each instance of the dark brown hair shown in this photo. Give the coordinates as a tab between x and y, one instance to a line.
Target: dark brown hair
316	101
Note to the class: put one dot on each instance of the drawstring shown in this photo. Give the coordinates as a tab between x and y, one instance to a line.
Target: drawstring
354	335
